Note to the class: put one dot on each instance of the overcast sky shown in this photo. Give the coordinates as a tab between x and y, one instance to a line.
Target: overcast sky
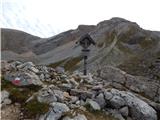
61	15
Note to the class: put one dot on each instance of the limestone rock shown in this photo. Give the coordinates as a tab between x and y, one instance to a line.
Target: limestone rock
124	111
94	105
138	108
100	100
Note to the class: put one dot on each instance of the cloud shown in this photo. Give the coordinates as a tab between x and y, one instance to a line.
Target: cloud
61	15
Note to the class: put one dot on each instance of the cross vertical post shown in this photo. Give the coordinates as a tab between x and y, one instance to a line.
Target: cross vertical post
85	41
85	65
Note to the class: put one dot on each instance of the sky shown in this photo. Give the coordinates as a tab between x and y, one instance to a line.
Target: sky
46	18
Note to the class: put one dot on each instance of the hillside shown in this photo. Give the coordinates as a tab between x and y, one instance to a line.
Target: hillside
123	82
120	43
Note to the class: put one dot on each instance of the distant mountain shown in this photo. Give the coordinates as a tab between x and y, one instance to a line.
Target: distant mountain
120	43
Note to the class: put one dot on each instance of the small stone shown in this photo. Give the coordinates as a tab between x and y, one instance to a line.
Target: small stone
66	95
33	69
74	99
7	102
80	117
100	100
117	102
124	111
42	77
59	95
73	82
60	69
98	87
108	95
4	95
119	117
59	107
93	104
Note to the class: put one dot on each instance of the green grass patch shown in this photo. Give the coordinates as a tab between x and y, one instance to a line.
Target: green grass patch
18	93
56	64
34	108
68	64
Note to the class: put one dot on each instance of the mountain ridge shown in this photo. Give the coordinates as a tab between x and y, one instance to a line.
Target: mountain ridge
119	41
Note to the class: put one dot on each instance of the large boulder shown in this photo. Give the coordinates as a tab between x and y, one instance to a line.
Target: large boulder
138	109
56	112
121	80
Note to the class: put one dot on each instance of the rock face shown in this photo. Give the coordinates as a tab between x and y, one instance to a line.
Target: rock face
139	110
120	79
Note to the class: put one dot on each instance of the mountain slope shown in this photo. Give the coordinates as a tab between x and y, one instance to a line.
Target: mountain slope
120	43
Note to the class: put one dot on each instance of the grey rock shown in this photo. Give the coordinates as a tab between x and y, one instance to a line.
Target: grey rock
108	95
74	99
26	65
59	107
4	98
94	105
138	108
4	95
56	112
47	76
117	101
81	93
42	77
6	102
47	96
98	87
67	118
120	79
59	95
100	100
33	69
66	86
118	116
124	111
129	118
53	116
73	82
80	117
60	69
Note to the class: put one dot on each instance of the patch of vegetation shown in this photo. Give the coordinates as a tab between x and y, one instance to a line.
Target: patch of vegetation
34	108
56	64
90	109
100	44
123	48
18	93
146	43
5	84
68	64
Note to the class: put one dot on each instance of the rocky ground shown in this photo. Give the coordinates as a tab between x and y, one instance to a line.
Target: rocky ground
43	93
